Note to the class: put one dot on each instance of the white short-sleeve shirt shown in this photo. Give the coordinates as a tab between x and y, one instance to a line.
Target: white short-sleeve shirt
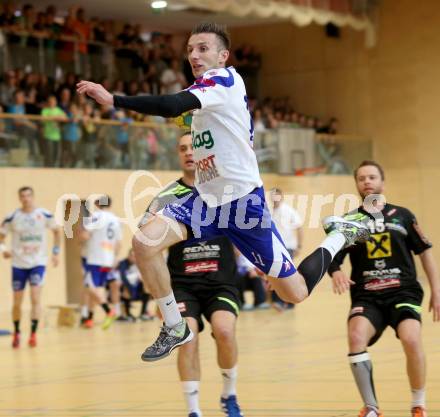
105	232
29	236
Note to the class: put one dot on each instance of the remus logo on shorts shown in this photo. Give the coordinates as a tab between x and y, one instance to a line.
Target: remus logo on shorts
202	140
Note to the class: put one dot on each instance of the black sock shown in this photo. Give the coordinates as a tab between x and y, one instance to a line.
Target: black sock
34	325
314	267
105	307
17	326
127	305
145	299
90	317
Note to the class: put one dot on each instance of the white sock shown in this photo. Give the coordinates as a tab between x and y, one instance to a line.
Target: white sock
170	311
118	309
333	243
418	397
229	381
191	393
84	311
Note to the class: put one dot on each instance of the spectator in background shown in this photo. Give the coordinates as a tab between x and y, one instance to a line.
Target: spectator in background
65	99
71	137
119	88
172	79
52	131
289	225
53	31
81	27
8	19
89	135
24	128
331	128
122	138
259	125
133	288
7	89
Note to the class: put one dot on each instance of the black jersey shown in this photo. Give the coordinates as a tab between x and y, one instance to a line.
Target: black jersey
208	262
195	262
385	263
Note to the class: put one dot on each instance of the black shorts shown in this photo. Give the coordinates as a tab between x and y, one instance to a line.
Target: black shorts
388	311
203	300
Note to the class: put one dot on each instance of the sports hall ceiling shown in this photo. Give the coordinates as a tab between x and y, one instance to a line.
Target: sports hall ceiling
174	18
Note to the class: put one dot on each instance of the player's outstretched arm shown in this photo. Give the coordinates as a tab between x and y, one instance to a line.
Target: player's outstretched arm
171	105
431	271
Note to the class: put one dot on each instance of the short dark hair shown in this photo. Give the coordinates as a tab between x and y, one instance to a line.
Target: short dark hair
219	30
25	188
367	163
104	201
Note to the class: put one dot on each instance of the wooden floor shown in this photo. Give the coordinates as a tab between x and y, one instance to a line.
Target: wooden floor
291	364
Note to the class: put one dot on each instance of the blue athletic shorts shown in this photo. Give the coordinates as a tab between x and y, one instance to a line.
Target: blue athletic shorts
96	276
246	221
20	276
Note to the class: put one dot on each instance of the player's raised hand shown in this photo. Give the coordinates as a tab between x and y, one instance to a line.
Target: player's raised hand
95	91
340	282
434	305
7	254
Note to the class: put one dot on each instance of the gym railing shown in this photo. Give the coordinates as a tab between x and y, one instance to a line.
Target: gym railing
92	143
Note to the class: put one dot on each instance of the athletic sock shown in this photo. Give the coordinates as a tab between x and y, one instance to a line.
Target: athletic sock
118	309
191	394
16	326
333	243
170	311
362	369
34	325
229	381
106	308
84	311
418	397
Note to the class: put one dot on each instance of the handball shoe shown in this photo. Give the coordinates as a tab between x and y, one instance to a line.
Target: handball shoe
33	340
353	231
169	338
109	319
16	340
418	412
370	412
230	406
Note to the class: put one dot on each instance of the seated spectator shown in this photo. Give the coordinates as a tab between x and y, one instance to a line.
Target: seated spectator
133	288
331	128
52	132
250	279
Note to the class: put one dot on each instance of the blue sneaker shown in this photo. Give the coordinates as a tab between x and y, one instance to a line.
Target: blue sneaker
193	415
230	406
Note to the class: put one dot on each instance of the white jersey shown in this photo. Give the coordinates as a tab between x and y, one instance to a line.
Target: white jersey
105	233
287	220
222	137
29	236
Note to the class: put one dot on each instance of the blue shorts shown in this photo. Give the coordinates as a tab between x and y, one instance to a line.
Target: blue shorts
96	276
20	276
246	221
